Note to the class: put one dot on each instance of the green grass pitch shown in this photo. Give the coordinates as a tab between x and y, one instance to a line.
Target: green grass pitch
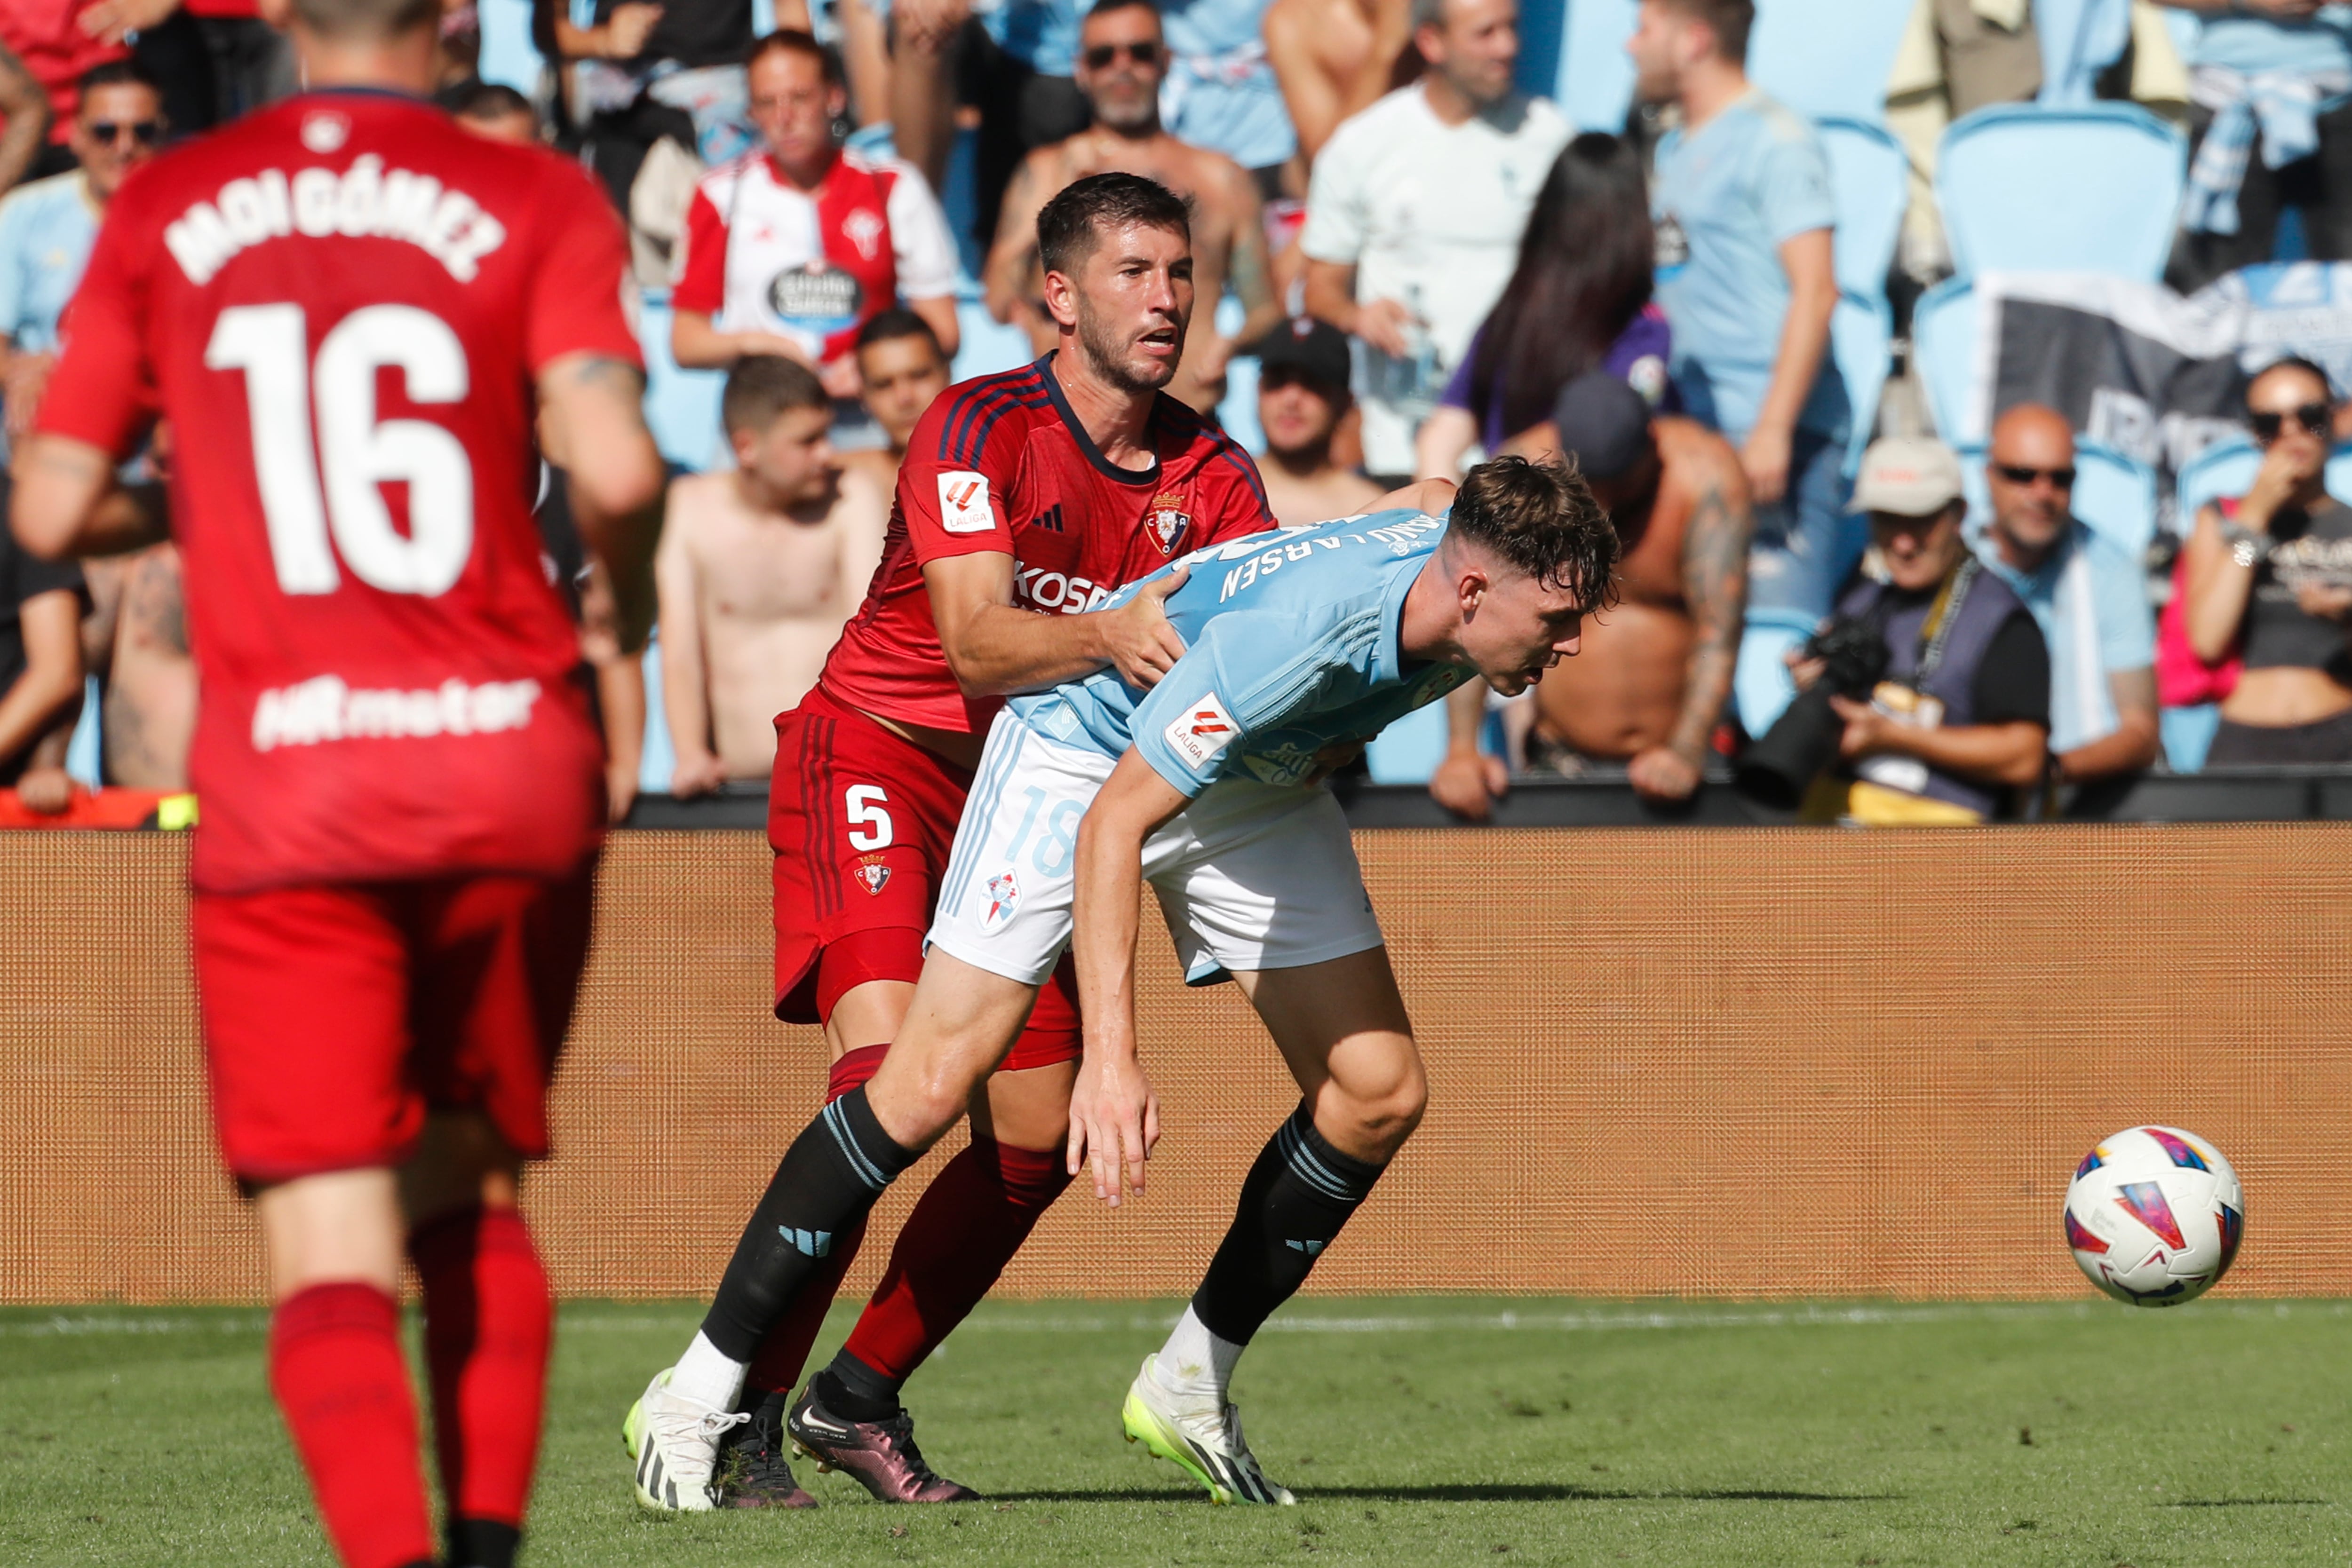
1415	1430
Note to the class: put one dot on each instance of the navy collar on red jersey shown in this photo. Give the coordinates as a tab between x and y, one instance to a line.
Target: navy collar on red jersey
1045	368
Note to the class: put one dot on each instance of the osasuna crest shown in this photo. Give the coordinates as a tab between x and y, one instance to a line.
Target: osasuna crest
873	875
1004	898
1167	520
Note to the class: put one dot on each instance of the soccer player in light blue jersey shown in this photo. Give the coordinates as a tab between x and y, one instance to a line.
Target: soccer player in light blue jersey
1300	646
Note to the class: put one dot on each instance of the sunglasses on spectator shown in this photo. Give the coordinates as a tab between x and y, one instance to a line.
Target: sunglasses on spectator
146	132
2018	474
1102	57
2312	416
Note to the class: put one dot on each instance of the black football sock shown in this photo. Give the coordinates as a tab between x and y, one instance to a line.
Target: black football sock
1298	1195
832	1175
851	1388
482	1544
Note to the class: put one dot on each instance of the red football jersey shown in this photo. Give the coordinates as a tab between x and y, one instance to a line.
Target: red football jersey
340	303
1000	463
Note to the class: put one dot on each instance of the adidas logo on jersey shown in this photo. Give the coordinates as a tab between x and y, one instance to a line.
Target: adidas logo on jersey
1050	519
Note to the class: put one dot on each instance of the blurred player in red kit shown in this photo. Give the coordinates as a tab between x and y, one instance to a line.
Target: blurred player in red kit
1023	500
348	309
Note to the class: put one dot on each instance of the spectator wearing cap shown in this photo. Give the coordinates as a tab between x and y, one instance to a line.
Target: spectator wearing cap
1416	213
1959	722
2088	596
47	227
2269	89
1302	395
1122	68
1743	212
1579	297
1649	685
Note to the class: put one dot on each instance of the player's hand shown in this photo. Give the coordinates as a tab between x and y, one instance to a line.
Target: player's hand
46	792
695	774
628	27
1662	773
1138	638
1467	783
1382	323
1867	728
109	20
1114	1123
1765	460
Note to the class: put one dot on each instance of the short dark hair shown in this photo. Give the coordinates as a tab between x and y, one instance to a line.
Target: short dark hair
119	73
791	40
1105	7
899	322
367	19
2295	363
1075	222
763	387
475	99
1730	20
1540	518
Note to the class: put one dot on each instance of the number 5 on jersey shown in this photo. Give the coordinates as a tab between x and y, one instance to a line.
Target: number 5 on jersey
870	827
338	490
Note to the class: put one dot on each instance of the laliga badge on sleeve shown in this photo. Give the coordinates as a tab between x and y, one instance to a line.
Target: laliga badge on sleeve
963	503
1201	732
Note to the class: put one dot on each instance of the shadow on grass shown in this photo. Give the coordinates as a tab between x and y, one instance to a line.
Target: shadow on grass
2248	1503
1494	1493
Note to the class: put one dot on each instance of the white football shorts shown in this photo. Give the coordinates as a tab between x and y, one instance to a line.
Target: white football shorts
1250	876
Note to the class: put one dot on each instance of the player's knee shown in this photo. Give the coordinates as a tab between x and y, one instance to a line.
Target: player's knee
1381	1115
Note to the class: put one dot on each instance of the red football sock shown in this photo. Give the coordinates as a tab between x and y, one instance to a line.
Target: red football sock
782	1355
966	1228
336	1367
488	1321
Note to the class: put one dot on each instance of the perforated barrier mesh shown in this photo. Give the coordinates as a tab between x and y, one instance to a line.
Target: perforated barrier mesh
1702	1062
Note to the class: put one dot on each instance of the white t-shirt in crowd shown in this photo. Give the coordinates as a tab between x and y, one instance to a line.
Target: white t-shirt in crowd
1429	214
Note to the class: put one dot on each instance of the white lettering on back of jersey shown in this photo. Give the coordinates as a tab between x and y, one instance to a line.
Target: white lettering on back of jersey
364	201
323	708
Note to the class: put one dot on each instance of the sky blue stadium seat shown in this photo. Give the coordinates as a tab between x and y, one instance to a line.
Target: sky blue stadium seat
1870	179
1826	56
1409	750
659	760
2115	496
681	406
2224	468
2079	39
1944	340
2187	735
509	57
85	754
1596	76
2094	188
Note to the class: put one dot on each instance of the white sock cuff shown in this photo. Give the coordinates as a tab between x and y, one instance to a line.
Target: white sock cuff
1195	1362
706	1373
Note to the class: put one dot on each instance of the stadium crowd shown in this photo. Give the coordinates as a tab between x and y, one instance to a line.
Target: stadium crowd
1406	259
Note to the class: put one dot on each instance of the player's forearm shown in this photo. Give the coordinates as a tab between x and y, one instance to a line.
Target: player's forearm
69	503
999	650
1465	714
1108	893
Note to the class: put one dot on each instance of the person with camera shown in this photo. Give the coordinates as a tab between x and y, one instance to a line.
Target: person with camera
1924	700
2268	585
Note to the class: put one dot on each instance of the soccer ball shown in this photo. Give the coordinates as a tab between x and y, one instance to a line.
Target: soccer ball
2154	1216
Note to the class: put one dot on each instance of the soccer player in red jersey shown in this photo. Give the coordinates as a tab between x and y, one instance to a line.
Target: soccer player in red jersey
347	307
1024	499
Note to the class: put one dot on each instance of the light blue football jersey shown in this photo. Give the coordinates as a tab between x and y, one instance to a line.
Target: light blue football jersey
1290	641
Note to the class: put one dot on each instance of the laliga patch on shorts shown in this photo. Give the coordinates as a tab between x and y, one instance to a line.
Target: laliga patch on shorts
963	503
1004	897
1201	732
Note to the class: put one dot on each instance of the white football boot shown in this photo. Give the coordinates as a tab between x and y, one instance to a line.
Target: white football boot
1202	1440
675	1441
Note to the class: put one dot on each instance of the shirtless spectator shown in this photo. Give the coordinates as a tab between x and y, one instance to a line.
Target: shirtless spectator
1122	58
1302	394
1650	686
759	568
903	369
1334	58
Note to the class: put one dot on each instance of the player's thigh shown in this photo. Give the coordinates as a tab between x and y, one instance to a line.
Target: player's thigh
1004	905
862	822
1028	1108
1251	877
334	1227
1341	1027
304	996
462	1162
961	1023
496	965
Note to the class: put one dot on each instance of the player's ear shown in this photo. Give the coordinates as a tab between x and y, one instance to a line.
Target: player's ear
1061	299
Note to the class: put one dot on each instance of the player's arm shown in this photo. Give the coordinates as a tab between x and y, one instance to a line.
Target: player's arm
1714	587
595	405
68	501
995	648
1114	1115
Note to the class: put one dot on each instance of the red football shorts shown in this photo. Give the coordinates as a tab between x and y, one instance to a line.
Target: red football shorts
862	820
336	1015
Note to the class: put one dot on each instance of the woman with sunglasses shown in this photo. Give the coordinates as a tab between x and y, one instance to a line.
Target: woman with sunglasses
2269	580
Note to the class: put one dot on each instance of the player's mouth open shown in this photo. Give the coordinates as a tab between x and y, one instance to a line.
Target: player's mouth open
1163	341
